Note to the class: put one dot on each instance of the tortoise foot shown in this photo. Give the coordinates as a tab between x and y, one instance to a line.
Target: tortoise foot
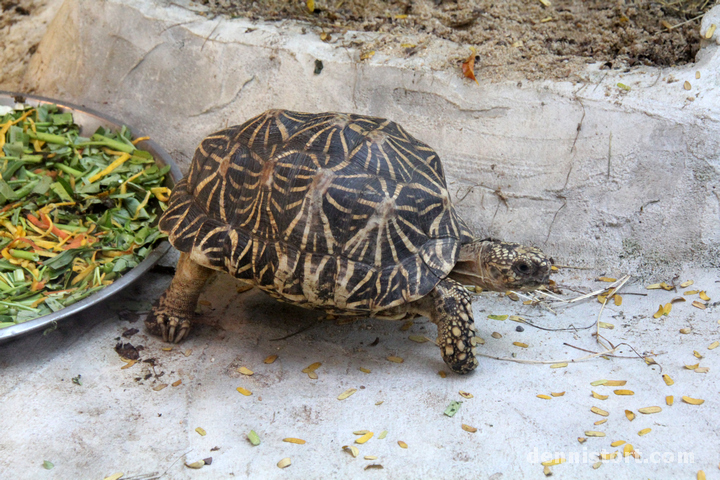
169	323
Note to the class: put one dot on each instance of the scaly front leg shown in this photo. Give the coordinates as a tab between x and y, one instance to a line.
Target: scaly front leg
176	307
450	308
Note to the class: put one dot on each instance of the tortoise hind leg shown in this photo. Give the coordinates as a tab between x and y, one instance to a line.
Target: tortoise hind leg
176	306
449	307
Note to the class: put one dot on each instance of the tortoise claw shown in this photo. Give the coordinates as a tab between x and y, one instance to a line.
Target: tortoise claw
173	326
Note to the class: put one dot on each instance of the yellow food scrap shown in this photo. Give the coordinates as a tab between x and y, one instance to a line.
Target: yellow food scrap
395	359
557	394
352	450
618	300
713	345
697	354
114	476
692	367
599	411
496	335
699	305
687	85
177	383
365	370
270	359
608	456
582	439
465	394
628	450
360	432
615	383
547	3
710	31
668	381
297	441
244	391
312	367
669	400
609	326
700	475
418	338
160	387
556	461
686	284
630	415
690	292
649	410
659	313
468	428
115	164
442	374
312	375
704	296
201	431
598	382
544	397
606	279
597	465
559	365
617	443
364	438
600	422
402	444
685	330
692	401
367	55
284	463
592	433
644	431
623	392
245	371
520	344
599	397
654	286
346	393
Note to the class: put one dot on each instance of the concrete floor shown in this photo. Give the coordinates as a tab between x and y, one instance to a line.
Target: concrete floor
119	421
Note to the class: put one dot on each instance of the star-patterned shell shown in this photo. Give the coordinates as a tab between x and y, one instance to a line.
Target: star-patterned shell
338	212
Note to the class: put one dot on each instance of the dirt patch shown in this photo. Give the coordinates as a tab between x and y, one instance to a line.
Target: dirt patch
523	36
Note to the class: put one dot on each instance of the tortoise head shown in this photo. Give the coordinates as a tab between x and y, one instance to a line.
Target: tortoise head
501	266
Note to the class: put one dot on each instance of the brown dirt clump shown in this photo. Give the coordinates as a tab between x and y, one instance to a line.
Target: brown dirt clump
523	36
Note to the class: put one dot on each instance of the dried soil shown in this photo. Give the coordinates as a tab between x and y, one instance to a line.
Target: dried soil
511	36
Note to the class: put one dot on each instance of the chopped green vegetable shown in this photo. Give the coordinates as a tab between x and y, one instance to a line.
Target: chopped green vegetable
47	465
254	438
75	212
453	408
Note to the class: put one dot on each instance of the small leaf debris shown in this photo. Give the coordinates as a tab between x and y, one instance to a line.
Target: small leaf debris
468	67
382	435
47	464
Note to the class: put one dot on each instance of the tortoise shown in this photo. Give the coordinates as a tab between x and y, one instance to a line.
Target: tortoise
342	213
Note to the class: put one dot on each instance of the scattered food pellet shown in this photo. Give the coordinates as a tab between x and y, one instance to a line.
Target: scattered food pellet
710	31
402	444
598	396
557	394
592	433
685	330
544	397
703	296
700	475
687	85
196	465
555	461
364	438
312	367
669	400
177	383
496	335
623	392
630	415
600	422
582	439
254	438
370	457
201	431
644	431
520	344
360	432
714	345
668	381
692	401
365	370
468	428
617	443
297	441
648	410
395	359
346	393
244	391
599	411
597	465
245	371
284	463
270	359
465	394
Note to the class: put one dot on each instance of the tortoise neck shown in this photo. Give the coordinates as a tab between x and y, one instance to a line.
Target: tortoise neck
471	267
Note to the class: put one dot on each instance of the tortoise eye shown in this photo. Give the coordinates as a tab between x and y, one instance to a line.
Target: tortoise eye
523	268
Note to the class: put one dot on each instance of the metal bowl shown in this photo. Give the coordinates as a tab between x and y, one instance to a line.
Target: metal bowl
89	120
